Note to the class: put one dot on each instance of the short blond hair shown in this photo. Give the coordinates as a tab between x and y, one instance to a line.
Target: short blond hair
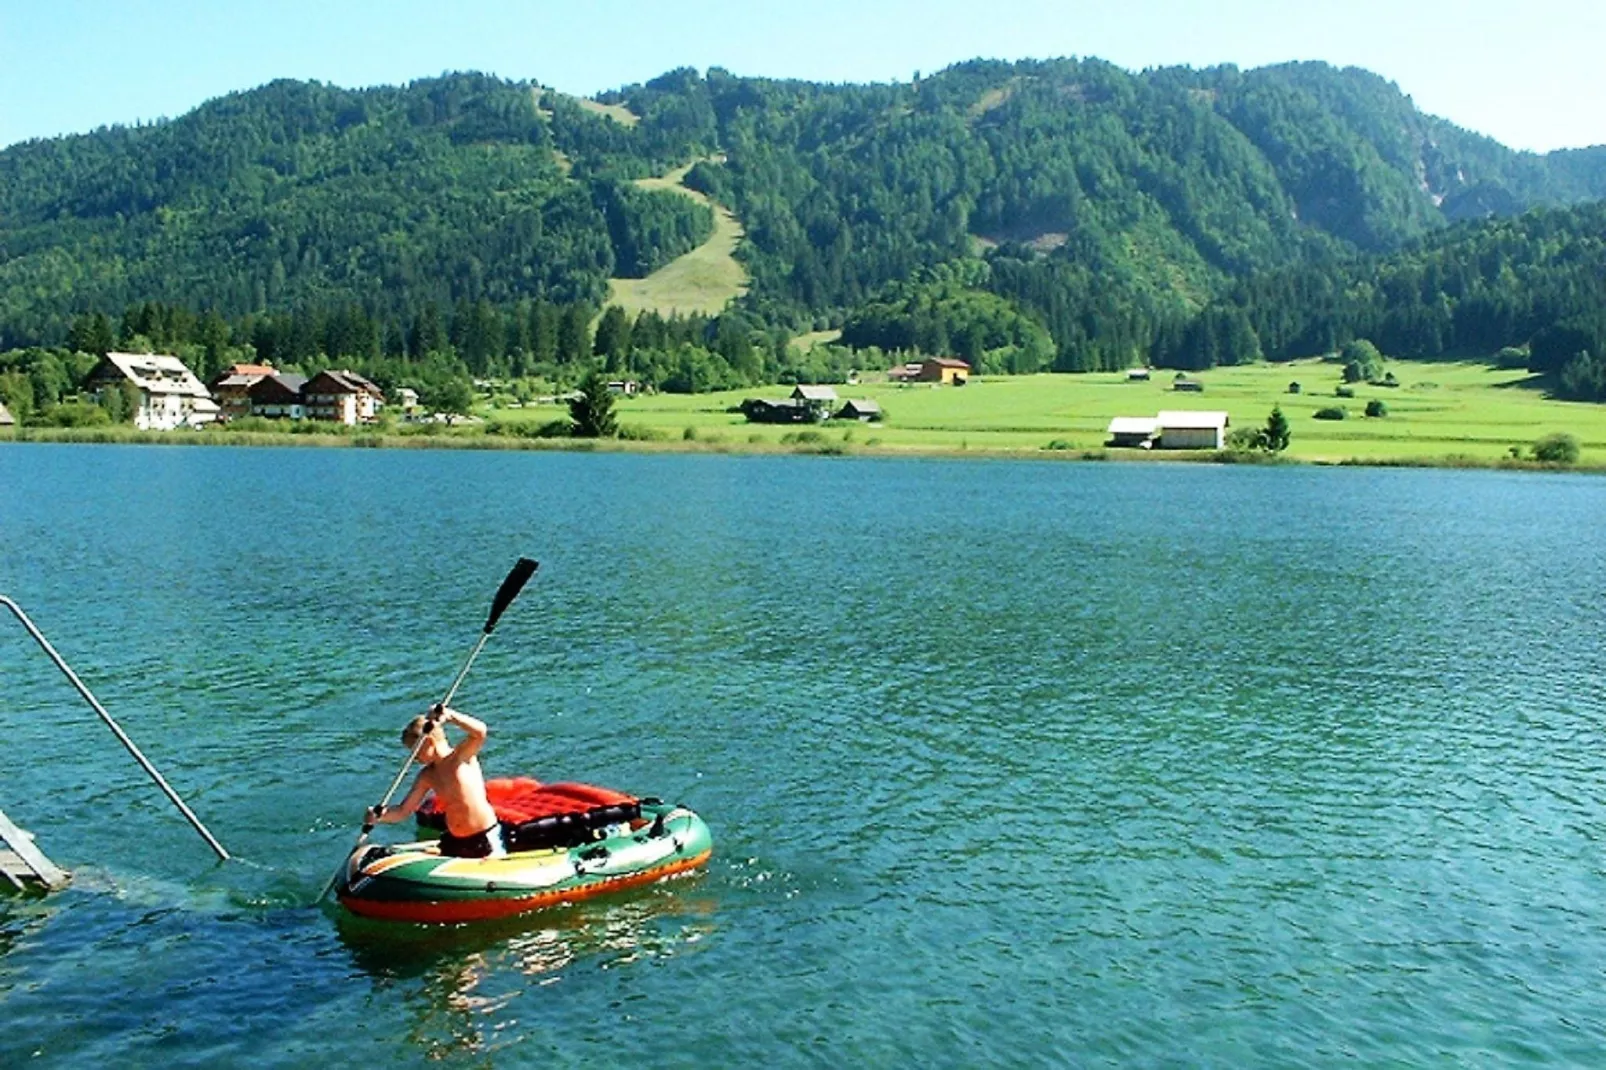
416	729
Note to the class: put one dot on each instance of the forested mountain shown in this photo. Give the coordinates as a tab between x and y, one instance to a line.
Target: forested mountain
300	193
1062	214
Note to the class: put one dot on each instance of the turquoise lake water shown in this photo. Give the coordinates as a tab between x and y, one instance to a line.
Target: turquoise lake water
1007	764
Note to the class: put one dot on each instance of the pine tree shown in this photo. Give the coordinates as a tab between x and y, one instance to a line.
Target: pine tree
592	409
574	335
613	337
1277	432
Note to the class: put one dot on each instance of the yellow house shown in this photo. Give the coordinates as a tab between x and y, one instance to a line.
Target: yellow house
944	370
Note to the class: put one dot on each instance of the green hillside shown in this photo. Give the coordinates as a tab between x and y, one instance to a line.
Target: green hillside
1059	215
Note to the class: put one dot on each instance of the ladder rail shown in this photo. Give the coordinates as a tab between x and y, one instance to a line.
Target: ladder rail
117	730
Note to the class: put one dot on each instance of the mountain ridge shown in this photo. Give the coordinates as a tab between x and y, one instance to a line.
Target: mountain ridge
1161	189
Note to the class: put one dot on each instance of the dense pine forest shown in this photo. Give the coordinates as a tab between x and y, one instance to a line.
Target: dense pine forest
1064	215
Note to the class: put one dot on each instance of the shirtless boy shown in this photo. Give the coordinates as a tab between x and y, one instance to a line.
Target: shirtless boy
453	774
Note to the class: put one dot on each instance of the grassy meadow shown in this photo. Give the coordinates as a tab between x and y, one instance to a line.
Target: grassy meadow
1440	412
704	280
1444	413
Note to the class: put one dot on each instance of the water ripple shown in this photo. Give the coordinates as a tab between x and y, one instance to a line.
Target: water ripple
1007	764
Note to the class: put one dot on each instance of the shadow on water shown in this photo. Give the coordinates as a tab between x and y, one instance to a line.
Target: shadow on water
21	913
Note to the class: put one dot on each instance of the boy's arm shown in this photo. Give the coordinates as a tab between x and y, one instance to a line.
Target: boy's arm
389	815
474	732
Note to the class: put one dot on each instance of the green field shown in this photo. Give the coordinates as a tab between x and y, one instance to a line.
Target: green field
704	280
1439	412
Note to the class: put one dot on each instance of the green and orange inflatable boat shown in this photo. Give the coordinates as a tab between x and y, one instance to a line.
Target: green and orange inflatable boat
565	842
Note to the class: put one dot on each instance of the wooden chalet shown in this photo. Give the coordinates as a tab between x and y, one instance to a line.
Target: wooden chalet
277	397
342	396
231	389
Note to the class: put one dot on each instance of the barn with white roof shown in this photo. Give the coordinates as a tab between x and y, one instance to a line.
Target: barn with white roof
1192	430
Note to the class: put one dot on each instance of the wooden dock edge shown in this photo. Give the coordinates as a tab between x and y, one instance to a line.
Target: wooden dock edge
23	865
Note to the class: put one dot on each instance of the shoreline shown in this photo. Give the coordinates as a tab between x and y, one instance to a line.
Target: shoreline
478	441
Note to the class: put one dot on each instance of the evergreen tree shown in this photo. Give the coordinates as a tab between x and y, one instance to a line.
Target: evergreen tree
1277	433
613	337
574	335
592	409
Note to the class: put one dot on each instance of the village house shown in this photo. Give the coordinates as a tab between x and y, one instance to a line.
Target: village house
231	389
342	396
6	419
278	397
170	396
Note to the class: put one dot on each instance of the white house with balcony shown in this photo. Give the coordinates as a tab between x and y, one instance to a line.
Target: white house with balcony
170	396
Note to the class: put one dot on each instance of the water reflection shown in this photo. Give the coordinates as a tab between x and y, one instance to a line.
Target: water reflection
459	981
21	913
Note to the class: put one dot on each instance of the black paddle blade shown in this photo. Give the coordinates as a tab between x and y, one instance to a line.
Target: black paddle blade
510	590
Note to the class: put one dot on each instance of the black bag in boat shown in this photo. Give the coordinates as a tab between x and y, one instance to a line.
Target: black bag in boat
568	830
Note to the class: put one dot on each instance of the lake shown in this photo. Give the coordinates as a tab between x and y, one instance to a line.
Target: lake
1007	763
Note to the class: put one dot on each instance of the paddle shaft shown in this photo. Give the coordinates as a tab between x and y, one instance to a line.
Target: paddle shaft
511	586
429	726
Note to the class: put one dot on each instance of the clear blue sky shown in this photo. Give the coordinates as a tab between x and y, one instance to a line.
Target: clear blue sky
1529	74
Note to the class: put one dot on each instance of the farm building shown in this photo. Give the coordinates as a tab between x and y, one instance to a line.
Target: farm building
1133	431
6	419
1137	375
817	399
1192	430
170	395
944	370
859	409
1188	386
778	411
